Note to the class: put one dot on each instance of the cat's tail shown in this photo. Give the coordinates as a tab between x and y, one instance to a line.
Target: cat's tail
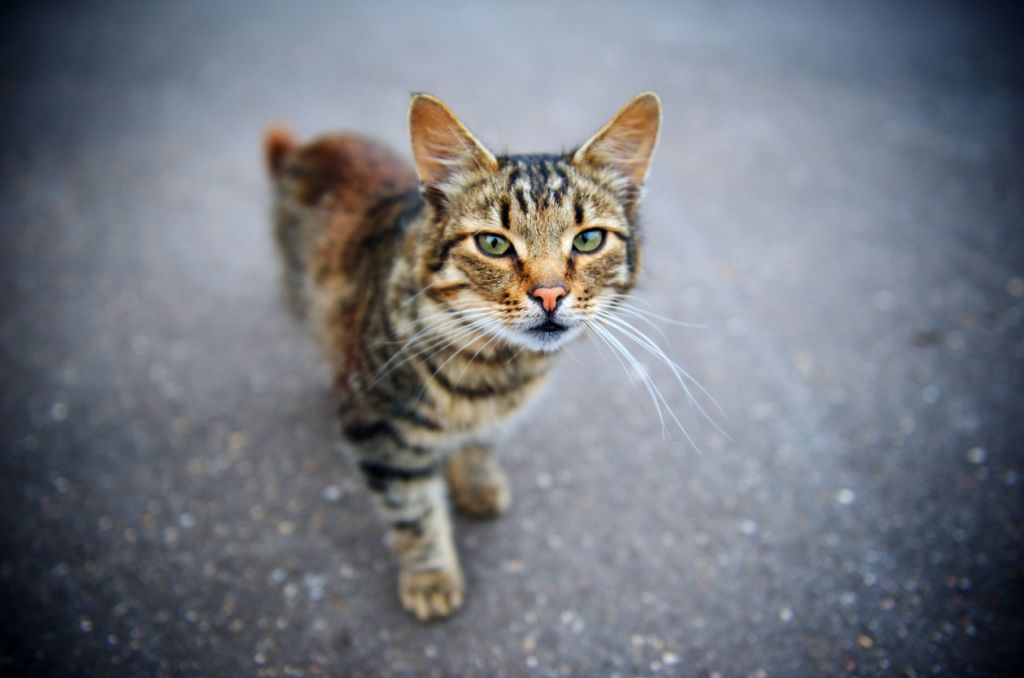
292	227
278	143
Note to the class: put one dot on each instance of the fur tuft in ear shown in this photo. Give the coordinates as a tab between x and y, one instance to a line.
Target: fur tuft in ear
625	144
441	145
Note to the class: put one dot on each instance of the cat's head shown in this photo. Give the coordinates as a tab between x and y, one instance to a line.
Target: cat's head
530	248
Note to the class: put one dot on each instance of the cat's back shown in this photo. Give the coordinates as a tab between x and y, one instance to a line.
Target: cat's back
345	172
337	196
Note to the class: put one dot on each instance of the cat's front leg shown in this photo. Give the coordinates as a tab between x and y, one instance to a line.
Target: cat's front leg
478	484
412	499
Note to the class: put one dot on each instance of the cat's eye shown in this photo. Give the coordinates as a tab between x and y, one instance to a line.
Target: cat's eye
588	241
494	245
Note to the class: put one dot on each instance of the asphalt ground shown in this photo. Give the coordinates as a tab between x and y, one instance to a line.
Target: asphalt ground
836	198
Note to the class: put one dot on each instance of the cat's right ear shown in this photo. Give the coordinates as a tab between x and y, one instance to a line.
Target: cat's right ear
626	143
442	146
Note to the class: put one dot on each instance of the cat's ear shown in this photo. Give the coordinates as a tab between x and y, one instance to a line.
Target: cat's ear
441	145
625	144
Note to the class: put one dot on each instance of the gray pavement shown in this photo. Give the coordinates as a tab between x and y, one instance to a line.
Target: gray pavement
837	196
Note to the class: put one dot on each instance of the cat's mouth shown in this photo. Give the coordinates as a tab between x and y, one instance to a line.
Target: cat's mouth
549	328
546	336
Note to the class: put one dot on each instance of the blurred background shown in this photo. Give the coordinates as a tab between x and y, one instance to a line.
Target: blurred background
837	197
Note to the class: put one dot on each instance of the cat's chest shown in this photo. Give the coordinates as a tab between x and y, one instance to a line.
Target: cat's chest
478	400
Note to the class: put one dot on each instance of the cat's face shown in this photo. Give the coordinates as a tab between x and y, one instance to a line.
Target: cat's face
532	248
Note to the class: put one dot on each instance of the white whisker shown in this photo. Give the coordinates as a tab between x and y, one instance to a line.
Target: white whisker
678	372
645	378
476	324
619	302
437	333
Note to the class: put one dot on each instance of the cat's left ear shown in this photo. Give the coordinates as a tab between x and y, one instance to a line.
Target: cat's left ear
442	146
625	144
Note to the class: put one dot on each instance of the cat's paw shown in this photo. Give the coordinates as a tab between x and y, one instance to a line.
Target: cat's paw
480	490
430	595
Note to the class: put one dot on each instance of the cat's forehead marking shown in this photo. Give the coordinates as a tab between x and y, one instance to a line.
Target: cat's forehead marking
537	181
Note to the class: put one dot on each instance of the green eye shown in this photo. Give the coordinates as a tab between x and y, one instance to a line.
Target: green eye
494	245
588	241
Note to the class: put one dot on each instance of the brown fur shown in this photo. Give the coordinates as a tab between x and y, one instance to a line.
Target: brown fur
434	343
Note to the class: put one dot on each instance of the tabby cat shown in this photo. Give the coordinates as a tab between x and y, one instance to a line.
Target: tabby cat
440	297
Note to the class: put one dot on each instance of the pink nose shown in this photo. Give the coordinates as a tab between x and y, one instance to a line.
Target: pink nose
549	296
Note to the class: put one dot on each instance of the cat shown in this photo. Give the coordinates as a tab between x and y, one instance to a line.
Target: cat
440	295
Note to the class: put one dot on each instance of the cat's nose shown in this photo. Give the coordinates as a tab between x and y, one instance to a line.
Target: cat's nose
548	297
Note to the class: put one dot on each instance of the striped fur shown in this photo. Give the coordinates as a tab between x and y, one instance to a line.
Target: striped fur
433	343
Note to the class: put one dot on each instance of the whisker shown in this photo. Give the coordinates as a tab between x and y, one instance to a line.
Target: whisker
409	300
433	326
439	336
626	311
473	357
678	372
629	374
649	382
620	350
442	365
619	302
